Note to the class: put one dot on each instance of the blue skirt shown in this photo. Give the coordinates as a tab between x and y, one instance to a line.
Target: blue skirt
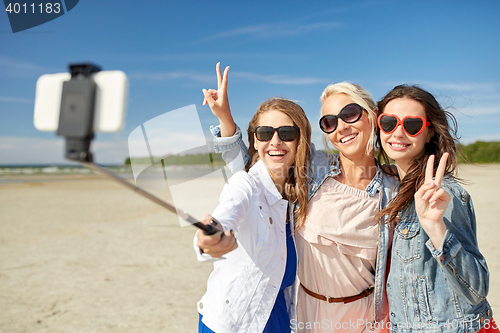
202	328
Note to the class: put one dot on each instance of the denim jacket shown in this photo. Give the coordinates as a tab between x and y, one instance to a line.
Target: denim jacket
324	165
443	289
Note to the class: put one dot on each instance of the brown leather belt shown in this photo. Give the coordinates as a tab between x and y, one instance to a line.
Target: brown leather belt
345	300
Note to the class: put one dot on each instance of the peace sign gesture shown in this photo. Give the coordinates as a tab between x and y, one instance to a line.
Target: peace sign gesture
431	201
219	102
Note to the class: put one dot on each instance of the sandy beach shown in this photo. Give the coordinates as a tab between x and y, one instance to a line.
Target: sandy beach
84	254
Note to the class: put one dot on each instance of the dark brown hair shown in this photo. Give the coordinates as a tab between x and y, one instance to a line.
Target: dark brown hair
297	182
443	141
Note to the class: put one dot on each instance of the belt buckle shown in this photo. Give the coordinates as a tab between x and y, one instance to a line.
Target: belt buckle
327	299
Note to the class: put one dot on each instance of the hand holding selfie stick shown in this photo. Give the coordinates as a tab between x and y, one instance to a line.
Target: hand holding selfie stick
76	120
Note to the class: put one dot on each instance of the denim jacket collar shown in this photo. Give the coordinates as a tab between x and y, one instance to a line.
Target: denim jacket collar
376	184
321	174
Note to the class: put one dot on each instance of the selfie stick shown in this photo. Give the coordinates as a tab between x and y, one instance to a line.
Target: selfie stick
76	120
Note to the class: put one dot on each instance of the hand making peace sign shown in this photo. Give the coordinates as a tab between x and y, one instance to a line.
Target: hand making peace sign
431	201
219	102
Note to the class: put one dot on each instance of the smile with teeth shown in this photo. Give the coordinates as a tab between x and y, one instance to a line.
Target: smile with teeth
348	138
277	152
398	145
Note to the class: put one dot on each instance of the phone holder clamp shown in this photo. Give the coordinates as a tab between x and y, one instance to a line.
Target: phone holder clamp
76	118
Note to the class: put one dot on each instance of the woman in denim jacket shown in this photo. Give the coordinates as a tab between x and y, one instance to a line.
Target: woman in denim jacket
353	241
438	279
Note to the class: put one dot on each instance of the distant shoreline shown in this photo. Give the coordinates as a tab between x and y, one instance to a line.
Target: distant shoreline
52	173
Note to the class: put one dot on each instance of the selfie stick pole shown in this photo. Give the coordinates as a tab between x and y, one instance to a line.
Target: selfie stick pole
208	229
76	121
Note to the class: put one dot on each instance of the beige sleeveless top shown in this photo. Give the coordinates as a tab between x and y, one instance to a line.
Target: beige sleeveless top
337	249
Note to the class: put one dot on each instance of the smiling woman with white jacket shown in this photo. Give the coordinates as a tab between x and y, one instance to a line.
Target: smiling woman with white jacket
253	288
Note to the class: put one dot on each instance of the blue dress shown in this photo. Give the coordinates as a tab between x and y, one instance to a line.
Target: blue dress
279	321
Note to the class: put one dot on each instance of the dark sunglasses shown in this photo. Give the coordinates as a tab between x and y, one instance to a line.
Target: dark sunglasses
285	133
412	126
349	114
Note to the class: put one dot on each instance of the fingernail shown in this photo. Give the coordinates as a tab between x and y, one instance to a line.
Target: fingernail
213	222
204	90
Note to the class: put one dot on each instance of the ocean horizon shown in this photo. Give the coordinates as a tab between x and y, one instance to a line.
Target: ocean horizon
15	173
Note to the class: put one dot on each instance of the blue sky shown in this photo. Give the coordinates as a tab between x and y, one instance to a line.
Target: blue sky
291	49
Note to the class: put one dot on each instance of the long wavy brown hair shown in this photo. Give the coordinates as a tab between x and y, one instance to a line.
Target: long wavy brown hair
443	141
297	181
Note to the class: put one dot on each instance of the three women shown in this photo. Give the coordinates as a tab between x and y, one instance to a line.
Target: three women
438	279
341	247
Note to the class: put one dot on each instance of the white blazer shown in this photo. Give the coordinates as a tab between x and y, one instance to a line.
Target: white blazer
242	289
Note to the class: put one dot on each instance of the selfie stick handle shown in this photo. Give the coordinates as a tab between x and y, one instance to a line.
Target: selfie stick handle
207	229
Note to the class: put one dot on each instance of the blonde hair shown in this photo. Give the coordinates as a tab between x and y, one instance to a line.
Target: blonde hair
360	97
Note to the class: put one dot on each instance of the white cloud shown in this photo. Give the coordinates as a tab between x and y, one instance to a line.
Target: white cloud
6	62
110	152
463	86
264	31
473	89
16	100
317	138
483	87
19	150
488	137
281	79
476	111
175	131
464	98
166	76
209	78
17	68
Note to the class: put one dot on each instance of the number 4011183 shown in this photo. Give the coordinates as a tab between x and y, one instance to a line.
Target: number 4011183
24	8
